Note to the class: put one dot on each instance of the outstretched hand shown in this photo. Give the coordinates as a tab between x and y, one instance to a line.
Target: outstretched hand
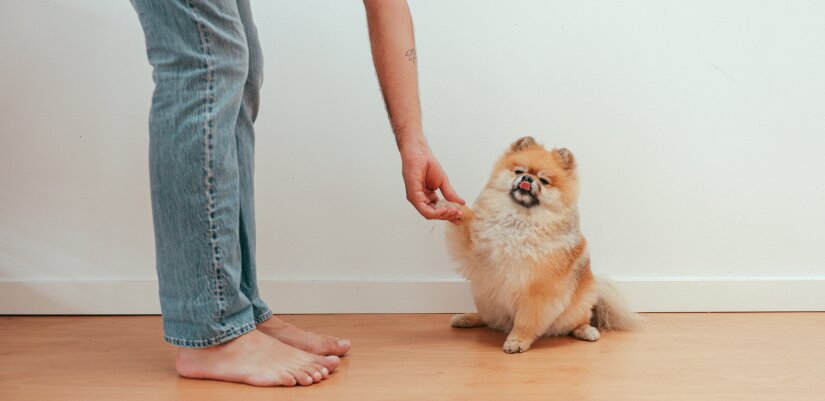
423	175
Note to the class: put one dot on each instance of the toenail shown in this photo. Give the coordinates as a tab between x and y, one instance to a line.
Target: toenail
343	343
325	371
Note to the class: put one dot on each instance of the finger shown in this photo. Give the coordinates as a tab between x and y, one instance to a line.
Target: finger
449	213
446	213
458	214
423	197
431	195
430	213
424	208
417	186
449	192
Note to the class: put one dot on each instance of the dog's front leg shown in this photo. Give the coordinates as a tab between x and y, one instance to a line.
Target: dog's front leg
532	319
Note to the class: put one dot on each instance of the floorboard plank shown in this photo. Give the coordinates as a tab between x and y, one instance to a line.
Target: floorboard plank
687	356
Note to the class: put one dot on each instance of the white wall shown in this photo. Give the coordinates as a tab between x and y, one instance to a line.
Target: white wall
699	129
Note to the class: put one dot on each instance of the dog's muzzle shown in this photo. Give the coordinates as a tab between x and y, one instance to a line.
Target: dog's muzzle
525	191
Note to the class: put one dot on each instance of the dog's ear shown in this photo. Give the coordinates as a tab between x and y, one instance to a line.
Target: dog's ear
565	158
523	143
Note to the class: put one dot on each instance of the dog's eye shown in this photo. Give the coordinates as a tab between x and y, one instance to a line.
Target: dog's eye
519	171
544	181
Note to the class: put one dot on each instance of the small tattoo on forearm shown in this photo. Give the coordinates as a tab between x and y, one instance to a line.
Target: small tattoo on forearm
411	55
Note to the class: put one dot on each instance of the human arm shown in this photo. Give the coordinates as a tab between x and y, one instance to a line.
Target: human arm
393	51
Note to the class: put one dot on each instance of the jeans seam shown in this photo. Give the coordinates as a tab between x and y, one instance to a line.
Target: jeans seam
209	181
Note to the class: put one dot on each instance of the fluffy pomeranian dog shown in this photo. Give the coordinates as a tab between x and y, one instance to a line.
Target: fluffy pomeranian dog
526	259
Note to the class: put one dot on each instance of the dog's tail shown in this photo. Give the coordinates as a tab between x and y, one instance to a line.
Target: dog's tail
611	312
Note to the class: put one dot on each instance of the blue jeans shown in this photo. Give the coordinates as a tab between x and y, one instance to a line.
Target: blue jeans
207	68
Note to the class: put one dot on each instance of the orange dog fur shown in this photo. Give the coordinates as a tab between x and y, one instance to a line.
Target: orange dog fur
526	259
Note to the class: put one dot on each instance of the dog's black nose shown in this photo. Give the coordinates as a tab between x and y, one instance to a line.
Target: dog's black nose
527	178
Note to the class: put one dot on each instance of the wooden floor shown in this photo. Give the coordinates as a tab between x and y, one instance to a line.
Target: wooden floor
753	356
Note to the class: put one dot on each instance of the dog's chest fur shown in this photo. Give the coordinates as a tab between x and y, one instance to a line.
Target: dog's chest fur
509	246
508	235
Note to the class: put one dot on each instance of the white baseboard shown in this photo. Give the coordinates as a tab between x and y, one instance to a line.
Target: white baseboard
290	297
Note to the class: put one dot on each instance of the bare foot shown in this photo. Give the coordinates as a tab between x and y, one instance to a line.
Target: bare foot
305	340
257	359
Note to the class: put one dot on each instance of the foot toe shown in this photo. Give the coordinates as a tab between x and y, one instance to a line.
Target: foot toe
330	362
317	376
303	378
332	346
342	346
286	379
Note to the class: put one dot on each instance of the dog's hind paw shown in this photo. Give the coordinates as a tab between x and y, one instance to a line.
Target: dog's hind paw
467	320
586	332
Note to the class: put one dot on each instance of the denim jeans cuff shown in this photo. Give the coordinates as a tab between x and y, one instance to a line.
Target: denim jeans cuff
227	335
263	317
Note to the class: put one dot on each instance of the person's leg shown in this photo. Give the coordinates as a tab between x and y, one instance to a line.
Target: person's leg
245	143
199	56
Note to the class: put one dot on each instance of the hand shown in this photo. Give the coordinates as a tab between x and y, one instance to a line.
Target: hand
423	175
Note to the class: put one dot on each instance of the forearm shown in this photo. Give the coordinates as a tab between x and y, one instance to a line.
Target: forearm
393	53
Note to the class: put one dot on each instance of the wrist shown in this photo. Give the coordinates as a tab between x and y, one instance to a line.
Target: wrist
411	141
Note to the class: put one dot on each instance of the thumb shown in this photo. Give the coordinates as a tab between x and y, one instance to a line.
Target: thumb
449	193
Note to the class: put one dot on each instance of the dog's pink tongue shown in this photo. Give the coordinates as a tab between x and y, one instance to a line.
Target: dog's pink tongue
524	185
